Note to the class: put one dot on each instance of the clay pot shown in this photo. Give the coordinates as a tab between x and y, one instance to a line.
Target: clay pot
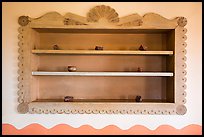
139	69
142	48
71	68
138	99
68	99
55	47
98	48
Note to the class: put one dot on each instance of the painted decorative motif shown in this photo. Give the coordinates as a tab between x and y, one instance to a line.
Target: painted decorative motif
181	110
23	20
68	21
64	129
102	12
182	21
84	109
23	108
137	22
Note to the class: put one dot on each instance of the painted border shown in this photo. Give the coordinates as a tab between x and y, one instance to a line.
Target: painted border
63	129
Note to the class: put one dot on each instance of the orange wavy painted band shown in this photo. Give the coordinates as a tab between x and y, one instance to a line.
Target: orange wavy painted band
63	129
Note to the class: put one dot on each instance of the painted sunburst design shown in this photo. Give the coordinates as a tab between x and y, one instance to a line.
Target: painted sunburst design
102	13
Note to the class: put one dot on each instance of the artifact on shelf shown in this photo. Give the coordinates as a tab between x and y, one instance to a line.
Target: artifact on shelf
71	68
139	69
56	47
138	99
98	48
142	48
68	99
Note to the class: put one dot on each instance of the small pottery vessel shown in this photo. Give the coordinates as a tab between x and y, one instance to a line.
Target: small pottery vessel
55	47
71	68
139	69
68	99
138	99
98	48
142	48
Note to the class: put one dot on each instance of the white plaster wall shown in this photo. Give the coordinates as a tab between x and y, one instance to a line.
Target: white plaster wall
193	13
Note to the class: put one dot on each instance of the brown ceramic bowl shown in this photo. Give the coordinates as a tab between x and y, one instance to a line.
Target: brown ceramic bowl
71	68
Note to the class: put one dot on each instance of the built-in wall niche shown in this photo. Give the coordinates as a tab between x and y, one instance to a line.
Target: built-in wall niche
127	65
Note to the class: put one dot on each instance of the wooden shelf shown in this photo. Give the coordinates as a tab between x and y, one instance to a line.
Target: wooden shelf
98	29
101	100
111	52
110	81
131	74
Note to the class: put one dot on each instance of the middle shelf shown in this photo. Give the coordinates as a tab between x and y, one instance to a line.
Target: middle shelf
129	74
109	52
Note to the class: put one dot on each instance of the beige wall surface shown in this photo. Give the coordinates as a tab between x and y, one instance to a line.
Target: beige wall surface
193	13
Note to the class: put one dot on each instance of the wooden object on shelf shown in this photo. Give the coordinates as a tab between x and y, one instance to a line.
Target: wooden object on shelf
55	47
98	48
164	84
139	69
142	48
138	99
68	99
71	68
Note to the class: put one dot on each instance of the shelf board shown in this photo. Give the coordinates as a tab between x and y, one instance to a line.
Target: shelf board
131	74
110	52
98	29
101	100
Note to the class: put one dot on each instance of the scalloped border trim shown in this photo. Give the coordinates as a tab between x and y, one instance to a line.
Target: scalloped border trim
63	129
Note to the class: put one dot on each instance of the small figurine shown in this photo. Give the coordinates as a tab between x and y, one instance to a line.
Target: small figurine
68	99
98	48
138	99
71	68
139	69
142	48
34	47
55	47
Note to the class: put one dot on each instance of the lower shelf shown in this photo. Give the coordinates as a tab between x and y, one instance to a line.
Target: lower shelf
102	106
86	107
104	100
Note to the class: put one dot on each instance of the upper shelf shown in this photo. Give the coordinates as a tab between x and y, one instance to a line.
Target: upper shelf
113	52
86	29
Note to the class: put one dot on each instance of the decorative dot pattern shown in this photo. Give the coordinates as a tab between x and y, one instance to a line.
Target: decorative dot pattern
102	111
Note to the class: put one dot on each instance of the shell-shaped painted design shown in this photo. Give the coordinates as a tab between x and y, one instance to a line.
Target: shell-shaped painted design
102	11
